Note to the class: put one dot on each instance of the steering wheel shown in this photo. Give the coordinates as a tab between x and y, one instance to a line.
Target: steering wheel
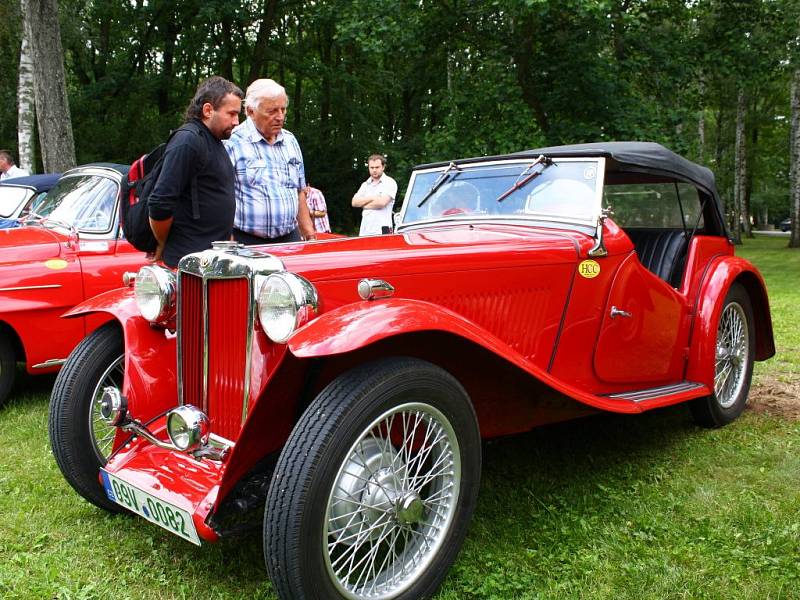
458	198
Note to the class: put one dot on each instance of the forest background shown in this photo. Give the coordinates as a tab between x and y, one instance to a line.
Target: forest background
421	81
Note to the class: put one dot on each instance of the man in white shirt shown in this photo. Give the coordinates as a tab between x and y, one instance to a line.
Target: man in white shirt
376	198
8	169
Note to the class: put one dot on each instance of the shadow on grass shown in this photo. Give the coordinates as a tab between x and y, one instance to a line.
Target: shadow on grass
29	388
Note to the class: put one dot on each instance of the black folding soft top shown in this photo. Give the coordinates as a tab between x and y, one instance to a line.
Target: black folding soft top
646	157
643	157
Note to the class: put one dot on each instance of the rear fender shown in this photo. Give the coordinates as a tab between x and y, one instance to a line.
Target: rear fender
150	354
720	276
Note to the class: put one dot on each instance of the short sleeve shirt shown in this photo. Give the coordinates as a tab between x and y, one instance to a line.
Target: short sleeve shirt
373	220
269	178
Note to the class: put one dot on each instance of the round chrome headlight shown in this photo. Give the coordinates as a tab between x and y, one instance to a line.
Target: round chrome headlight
155	291
187	427
285	302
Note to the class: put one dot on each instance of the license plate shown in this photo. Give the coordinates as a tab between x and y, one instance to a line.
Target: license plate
170	517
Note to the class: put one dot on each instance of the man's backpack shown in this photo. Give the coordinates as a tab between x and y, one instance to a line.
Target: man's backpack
137	187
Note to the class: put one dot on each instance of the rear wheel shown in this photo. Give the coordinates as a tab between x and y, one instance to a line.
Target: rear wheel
81	440
374	490
8	368
733	366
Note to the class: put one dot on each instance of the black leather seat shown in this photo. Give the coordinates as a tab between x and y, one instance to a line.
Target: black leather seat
662	251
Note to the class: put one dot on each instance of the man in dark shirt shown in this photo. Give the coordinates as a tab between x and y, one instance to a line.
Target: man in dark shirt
195	157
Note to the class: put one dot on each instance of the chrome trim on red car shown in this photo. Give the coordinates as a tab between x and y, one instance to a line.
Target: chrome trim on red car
30	287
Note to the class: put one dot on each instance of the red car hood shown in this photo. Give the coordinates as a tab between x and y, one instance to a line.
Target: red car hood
28	243
448	248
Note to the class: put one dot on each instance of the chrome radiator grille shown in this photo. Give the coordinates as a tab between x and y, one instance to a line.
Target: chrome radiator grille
214	348
215	321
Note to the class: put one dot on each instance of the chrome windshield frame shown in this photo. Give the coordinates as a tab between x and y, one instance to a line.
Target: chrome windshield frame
534	219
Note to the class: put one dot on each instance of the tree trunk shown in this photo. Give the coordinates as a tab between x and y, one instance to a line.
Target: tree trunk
25	112
701	121
50	86
794	143
259	59
739	172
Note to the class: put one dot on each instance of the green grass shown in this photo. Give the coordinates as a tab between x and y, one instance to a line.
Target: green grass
612	506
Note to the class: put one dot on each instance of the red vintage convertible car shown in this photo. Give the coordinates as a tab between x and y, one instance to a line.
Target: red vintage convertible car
66	251
337	391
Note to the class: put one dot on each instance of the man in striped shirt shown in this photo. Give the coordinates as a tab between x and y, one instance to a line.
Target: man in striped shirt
270	176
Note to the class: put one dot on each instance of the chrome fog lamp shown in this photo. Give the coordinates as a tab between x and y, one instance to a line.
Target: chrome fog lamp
155	292
285	302
187	427
113	406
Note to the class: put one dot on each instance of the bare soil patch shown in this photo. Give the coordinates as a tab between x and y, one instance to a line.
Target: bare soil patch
776	397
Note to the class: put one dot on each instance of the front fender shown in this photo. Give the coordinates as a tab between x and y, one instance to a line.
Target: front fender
150	354
120	303
354	326
720	276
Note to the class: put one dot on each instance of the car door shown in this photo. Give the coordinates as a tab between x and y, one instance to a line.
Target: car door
644	331
642	335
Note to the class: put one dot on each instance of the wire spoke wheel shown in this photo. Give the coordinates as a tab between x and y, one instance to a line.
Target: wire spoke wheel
373	492
392	502
734	353
80	439
733	344
101	433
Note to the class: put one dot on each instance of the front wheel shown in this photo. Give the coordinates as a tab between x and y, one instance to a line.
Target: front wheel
81	440
373	492
733	365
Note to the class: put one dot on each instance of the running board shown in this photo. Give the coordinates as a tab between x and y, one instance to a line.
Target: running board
684	387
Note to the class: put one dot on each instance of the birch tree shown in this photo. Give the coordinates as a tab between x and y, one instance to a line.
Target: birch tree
25	103
49	84
740	171
794	146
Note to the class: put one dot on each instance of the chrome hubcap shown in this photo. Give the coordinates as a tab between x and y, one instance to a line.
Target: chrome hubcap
733	351
392	502
101	433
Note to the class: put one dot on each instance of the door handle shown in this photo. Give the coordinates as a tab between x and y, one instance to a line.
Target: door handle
618	312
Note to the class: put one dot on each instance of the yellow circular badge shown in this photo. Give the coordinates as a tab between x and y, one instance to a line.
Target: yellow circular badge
56	264
589	269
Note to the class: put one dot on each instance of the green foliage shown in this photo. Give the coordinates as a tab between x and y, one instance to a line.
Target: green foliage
424	81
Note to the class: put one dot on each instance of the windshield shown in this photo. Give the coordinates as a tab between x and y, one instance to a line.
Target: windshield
86	202
568	190
11	199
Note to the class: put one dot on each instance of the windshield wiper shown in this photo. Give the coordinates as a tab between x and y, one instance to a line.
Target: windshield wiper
445	175
527	176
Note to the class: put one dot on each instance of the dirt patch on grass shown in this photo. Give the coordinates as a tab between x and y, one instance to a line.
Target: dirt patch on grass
776	397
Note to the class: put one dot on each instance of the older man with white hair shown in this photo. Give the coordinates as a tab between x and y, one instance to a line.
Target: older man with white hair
270	176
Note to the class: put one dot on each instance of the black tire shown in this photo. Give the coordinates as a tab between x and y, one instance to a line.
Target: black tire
8	368
80	440
730	395
346	445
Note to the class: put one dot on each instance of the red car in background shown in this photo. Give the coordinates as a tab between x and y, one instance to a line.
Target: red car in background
67	249
335	393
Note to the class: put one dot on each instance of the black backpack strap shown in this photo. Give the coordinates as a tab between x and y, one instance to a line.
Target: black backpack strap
195	127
